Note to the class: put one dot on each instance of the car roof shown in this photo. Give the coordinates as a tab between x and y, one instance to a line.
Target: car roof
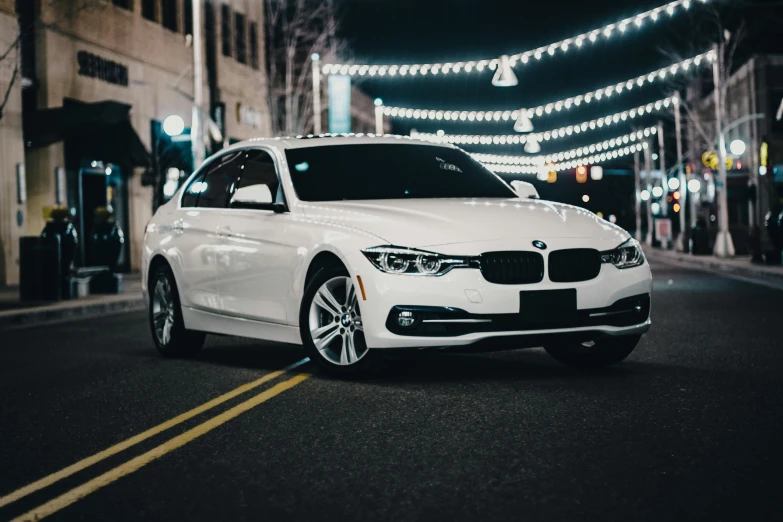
325	140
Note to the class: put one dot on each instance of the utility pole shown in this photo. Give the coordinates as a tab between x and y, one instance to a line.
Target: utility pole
315	58
638	192
196	126
664	179
648	168
724	247
378	117
681	244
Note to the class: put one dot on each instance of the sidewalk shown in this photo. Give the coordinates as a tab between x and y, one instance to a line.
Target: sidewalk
14	312
738	265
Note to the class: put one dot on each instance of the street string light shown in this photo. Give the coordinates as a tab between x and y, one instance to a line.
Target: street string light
504	65
554	134
566	165
568	103
567	154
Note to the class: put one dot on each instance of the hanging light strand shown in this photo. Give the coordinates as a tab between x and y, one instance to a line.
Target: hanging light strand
560	47
562	132
578	152
566	104
566	165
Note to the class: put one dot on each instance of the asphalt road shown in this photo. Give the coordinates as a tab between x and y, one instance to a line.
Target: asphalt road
688	428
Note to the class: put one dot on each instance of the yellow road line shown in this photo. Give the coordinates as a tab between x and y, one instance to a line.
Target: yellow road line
132	465
108	452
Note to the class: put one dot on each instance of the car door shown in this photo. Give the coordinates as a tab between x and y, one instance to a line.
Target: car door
198	234
256	282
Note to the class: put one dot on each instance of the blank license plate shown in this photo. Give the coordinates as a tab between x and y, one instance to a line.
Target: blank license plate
547	305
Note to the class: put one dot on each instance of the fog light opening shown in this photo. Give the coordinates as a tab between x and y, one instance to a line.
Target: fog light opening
406	319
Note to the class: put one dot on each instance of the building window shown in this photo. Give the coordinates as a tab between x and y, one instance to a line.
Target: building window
253	42
168	14
188	12
225	29
241	38
125	4
148	10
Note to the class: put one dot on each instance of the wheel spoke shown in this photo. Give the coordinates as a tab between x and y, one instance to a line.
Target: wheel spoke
160	293
350	347
343	351
349	292
323	343
160	318
326	300
318	332
166	332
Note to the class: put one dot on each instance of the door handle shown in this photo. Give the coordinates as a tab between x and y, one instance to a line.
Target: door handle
178	226
224	231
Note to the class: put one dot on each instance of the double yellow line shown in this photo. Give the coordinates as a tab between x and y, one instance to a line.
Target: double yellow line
136	463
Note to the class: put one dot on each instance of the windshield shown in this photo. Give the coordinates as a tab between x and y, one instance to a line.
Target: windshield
390	171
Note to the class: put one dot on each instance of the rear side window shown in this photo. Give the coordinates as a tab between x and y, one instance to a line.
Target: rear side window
219	180
191	192
259	169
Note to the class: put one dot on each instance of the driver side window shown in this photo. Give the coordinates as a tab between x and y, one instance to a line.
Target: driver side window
258	178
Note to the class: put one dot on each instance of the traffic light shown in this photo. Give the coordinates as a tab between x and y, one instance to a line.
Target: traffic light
581	174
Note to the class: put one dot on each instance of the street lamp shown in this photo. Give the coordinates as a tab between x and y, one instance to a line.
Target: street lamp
737	147
694	185
173	125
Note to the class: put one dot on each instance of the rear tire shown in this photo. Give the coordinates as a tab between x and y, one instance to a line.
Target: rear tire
330	324
606	351
171	337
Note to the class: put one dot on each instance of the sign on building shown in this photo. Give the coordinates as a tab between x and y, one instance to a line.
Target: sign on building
94	66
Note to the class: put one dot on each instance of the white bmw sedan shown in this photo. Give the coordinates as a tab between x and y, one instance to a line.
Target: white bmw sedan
351	246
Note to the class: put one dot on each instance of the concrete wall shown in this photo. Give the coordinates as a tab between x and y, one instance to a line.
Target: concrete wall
11	150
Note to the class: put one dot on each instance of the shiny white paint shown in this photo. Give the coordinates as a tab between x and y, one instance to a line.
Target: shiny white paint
242	272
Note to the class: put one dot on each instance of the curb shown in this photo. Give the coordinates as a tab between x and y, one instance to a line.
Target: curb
711	264
30	316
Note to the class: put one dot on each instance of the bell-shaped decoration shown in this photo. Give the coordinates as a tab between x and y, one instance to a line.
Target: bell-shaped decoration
523	123
504	75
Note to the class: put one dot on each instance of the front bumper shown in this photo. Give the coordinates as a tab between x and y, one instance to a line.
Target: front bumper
471	297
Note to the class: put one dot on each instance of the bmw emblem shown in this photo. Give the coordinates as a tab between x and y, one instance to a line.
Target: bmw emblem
539	244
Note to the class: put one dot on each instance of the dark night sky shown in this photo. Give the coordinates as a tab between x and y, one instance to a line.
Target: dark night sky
421	31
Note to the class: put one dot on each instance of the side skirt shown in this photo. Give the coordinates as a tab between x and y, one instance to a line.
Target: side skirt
223	324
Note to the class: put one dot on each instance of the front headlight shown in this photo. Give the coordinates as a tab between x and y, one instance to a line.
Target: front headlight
410	261
627	255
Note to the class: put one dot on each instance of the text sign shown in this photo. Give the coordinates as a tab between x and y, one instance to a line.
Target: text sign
94	66
339	104
663	229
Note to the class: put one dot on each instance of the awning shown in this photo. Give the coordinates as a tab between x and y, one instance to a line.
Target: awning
100	131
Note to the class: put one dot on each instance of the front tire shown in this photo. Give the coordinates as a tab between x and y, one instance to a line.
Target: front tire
331	326
606	351
171	337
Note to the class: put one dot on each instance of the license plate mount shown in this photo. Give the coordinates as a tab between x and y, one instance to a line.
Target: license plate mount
547	306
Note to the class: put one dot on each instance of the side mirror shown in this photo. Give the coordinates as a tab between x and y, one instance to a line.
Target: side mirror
524	189
257	197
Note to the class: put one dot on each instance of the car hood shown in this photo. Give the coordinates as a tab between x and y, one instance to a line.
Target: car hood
432	222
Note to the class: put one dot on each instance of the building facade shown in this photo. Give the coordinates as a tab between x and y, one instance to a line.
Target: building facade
98	78
12	210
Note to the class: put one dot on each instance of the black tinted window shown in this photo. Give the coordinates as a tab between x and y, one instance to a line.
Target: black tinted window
259	169
389	171
220	178
190	195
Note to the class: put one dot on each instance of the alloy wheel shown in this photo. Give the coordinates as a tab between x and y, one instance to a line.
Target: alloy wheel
163	310
335	322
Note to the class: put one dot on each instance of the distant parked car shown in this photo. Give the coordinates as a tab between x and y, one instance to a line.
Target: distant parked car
355	245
